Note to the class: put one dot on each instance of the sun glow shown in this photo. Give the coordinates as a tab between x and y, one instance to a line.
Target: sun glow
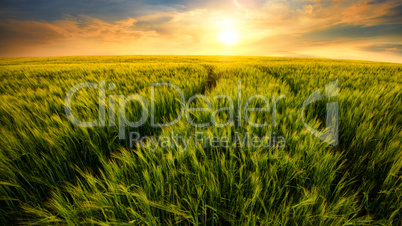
228	37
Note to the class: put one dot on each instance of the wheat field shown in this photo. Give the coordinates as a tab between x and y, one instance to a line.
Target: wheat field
55	172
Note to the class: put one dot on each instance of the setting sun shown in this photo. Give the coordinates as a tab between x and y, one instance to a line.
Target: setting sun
228	37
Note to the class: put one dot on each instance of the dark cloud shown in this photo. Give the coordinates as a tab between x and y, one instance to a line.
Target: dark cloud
103	9
395	14
355	31
153	22
377	1
395	48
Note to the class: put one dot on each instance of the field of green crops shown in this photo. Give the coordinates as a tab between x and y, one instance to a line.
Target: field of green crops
55	172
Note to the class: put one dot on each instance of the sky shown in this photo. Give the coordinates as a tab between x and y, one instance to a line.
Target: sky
363	30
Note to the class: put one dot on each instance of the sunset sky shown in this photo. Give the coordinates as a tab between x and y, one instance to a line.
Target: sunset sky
367	30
